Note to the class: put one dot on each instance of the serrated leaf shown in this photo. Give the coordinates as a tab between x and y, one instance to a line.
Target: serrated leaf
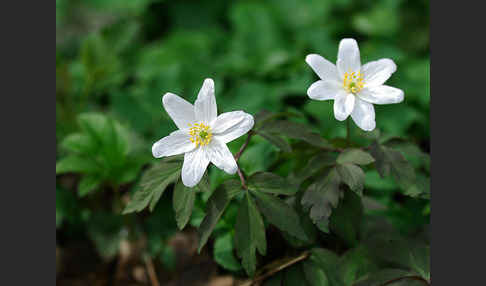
223	252
153	183
346	219
294	130
315	164
353	176
276	140
354	264
314	275
420	261
183	202
280	214
77	164
249	234
270	183
88	184
328	261
389	161
355	156
321	197
216	205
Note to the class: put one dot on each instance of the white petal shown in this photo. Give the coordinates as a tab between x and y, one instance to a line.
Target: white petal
205	105
227	120
348	57
219	154
322	67
382	94
324	89
364	115
377	72
181	111
236	130
176	143
194	166
343	105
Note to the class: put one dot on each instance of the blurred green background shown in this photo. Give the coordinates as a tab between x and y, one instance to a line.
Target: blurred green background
116	58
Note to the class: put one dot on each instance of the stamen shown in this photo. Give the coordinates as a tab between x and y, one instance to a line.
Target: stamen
353	82
200	134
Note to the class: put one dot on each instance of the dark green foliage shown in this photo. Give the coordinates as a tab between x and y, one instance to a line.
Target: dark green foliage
361	209
183	202
153	184
249	234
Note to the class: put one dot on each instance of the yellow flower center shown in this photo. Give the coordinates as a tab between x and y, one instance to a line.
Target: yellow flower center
200	134
353	82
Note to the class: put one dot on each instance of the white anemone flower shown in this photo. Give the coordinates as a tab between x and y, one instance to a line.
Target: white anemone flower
202	134
354	88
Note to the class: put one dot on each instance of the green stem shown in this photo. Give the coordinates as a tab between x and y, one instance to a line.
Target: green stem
348	132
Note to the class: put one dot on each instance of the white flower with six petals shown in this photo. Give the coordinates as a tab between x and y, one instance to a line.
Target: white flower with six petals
354	88
202	134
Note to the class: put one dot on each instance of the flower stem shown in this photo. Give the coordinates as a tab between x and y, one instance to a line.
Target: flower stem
242	178
348	132
243	147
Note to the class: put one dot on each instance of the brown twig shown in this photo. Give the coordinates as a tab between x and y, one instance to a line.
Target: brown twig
291	262
151	271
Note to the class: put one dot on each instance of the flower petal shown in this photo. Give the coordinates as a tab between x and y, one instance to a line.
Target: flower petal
377	72
181	111
194	166
324	89
382	94
227	120
205	105
176	143
322	67
343	105
219	154
236	130
364	115
348	57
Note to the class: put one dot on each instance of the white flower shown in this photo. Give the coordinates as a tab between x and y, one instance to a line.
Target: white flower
202	134
353	87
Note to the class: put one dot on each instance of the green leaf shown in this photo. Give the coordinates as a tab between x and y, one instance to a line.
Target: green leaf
314	275
420	261
276	140
271	183
328	261
216	205
315	164
274	280
249	234
280	214
389	161
382	276
353	176
355	156
77	164
321	197
79	143
183	202
354	264
294	130
223	252
346	219
153	183
88	184
294	275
